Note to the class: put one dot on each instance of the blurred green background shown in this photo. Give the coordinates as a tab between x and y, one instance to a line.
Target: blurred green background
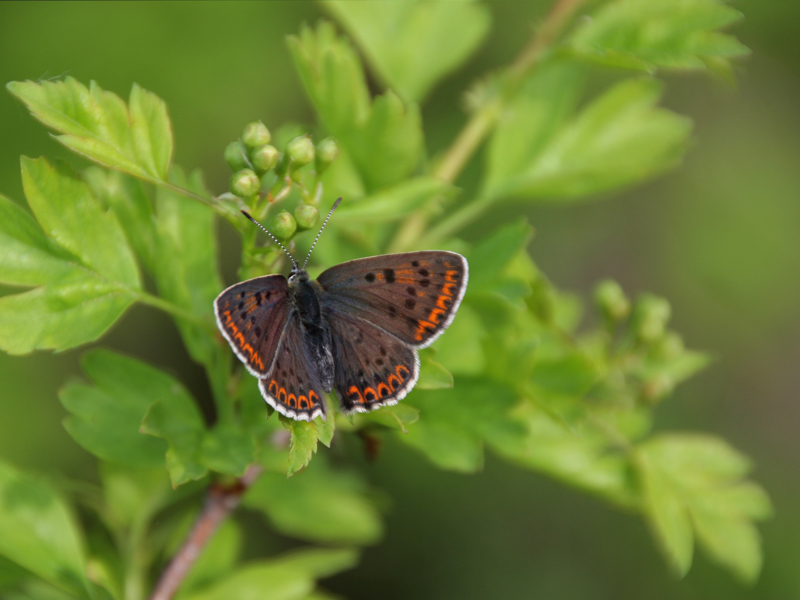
719	237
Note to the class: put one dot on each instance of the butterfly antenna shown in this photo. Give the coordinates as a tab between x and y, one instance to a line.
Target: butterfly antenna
294	262
333	208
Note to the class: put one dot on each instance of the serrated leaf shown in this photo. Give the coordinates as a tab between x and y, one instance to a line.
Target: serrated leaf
395	202
320	504
227	449
127	197
176	419
186	271
100	126
693	486
650	34
414	44
325	430
105	418
619	139
290	577
39	533
383	137
81	258
303	444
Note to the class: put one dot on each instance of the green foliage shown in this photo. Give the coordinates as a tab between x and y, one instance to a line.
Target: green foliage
519	373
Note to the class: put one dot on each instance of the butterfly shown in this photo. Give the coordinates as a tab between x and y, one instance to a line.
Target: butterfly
355	329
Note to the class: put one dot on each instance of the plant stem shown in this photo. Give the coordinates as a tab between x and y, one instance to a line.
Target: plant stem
220	502
174	310
485	118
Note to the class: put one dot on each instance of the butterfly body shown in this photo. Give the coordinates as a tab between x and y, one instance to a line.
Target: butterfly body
355	330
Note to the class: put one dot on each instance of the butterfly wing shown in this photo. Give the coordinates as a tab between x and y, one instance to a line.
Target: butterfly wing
291	387
373	367
252	316
413	296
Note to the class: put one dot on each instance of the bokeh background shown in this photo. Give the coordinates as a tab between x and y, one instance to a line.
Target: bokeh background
719	237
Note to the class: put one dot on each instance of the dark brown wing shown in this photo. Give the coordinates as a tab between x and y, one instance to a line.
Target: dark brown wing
414	296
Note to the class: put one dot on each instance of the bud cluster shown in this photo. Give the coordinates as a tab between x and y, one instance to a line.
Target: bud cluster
261	170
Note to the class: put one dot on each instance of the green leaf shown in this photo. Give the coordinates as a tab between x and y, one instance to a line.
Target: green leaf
619	139
650	34
319	504
414	44
693	487
82	259
105	418
395	202
394	417
303	444
133	495
176	419
460	349
127	197
39	533
227	449
186	271
489	259
100	126
290	577
383	137
432	375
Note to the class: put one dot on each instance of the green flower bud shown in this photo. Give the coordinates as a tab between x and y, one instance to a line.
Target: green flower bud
236	156
255	135
306	215
651	316
300	151
283	225
245	183
612	301
265	158
327	151
657	388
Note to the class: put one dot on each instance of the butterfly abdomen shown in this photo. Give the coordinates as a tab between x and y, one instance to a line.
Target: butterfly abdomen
316	334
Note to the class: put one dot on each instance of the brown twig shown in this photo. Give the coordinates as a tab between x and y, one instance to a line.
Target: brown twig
220	502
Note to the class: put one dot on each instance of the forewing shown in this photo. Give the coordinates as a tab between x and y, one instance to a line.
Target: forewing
414	295
373	368
291	387
252	316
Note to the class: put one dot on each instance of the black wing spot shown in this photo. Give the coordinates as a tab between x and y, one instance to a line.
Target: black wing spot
383	351
379	362
243	316
425	282
389	275
392	311
370	277
410	304
258	332
242	294
414	263
258	298
283	373
412	291
240	306
424	272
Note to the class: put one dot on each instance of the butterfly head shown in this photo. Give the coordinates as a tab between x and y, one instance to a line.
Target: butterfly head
297	276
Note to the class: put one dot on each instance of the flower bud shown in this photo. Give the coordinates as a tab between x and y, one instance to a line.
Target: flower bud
306	216
651	316
255	135
300	151
245	183
327	151
283	225
265	158
612	301
236	156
